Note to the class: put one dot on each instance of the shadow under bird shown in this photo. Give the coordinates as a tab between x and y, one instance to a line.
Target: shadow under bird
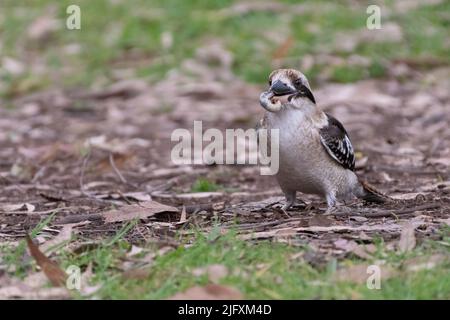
315	152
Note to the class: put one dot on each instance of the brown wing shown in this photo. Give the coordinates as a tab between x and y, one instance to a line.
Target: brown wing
337	143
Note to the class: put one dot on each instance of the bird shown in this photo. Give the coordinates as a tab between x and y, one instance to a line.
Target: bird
316	155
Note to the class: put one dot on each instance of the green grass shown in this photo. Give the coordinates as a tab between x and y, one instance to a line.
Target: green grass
261	270
13	257
266	270
204	185
131	32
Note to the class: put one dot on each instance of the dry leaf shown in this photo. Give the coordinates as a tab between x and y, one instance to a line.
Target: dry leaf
386	227
64	236
183	215
135	250
342	244
364	252
17	207
53	272
360	251
139	196
209	292
407	240
136	211
215	272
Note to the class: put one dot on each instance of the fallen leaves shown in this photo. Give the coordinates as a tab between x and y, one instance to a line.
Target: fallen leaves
291	231
142	210
215	272
64	236
361	251
16	207
53	272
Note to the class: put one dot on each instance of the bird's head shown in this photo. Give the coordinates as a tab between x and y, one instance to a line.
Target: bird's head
290	82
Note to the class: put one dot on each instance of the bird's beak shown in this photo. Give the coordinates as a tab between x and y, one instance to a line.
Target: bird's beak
279	88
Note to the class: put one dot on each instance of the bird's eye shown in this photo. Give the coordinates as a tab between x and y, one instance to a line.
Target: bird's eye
298	82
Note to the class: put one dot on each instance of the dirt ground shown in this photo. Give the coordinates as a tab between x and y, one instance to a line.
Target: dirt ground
80	153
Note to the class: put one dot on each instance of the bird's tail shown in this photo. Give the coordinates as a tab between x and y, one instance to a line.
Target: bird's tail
370	194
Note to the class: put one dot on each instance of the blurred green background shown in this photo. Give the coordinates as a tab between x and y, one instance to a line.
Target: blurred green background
328	40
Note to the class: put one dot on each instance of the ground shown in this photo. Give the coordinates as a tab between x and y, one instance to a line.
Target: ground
86	119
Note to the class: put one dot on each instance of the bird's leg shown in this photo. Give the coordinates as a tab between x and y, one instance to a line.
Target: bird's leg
290	199
333	208
331	203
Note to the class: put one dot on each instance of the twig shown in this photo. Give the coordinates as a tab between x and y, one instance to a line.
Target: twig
245	226
113	165
39	212
83	168
204	207
389	213
124	197
79	218
52	197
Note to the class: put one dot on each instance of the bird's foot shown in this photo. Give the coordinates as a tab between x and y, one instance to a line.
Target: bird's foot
330	211
283	209
272	206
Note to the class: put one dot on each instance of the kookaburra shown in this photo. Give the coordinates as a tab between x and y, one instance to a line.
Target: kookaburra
315	152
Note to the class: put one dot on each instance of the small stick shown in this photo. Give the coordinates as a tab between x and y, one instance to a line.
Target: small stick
124	197
83	168
79	218
389	213
113	165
